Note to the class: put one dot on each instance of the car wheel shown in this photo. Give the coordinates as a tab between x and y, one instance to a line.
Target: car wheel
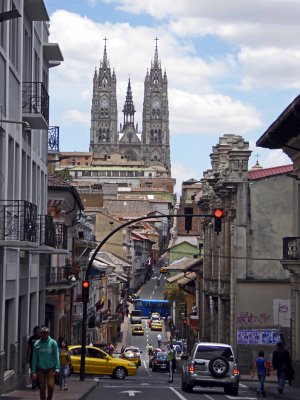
119	373
188	388
234	391
183	386
218	367
153	369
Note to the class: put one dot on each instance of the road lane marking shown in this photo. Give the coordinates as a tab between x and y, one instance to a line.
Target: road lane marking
131	393
209	397
179	395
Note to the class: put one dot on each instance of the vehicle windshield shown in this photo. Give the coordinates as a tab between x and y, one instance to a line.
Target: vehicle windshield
210	352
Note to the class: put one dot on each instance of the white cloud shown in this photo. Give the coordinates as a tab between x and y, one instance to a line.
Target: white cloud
181	173
72	117
210	114
269	67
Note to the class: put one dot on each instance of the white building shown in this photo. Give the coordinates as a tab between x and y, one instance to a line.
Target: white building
26	232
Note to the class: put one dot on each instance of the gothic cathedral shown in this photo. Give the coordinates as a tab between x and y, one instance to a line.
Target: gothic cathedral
150	146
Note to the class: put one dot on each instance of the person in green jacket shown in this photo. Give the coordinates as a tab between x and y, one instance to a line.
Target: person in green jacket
45	363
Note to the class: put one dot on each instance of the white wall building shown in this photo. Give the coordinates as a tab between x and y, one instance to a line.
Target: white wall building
25	237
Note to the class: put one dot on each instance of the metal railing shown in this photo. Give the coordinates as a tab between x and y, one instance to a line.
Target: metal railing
53	138
61	236
35	99
58	276
291	248
18	220
46	231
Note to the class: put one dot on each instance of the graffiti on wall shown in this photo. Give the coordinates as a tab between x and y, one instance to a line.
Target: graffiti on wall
282	312
246	318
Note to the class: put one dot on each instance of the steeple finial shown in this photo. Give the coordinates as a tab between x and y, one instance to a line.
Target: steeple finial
104	53
129	109
156	52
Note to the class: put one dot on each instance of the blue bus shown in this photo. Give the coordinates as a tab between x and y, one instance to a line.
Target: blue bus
150	306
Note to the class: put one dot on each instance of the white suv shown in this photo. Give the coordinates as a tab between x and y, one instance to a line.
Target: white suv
211	365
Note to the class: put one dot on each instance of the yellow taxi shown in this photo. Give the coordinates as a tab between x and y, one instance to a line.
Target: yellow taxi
156	325
97	362
137	329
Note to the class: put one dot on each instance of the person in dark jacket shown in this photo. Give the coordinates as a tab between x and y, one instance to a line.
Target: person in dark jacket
281	361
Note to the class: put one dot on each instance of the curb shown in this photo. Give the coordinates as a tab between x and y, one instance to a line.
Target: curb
91	389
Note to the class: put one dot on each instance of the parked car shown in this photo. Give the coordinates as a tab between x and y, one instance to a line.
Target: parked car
159	361
211	365
98	362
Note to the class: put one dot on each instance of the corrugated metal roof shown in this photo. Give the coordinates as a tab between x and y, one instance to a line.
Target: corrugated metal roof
266	172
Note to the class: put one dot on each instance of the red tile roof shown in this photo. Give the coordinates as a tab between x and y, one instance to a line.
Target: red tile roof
265	172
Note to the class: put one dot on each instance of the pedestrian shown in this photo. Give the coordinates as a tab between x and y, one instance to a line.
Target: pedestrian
111	349
45	363
65	361
159	340
150	349
261	369
171	360
30	345
281	361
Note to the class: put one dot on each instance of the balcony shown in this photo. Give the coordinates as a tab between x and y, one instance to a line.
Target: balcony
18	222
61	236
58	277
46	231
291	255
35	105
53	138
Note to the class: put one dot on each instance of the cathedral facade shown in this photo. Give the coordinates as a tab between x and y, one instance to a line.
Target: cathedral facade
152	144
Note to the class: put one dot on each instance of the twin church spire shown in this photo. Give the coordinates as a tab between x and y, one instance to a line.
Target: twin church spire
152	143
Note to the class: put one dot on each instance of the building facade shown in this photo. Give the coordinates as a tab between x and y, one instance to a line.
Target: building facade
284	134
243	288
26	231
152	144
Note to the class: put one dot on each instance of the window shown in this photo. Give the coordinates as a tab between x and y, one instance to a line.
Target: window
14	40
94	353
188	219
2	27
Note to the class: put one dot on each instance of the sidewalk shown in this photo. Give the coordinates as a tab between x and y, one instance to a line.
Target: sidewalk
78	390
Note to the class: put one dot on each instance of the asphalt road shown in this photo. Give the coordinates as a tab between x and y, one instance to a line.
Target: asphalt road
148	385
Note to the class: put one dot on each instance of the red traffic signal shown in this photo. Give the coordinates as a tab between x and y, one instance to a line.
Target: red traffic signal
85	291
218	215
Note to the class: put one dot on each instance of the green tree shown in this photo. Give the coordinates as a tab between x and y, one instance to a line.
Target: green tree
64	174
174	293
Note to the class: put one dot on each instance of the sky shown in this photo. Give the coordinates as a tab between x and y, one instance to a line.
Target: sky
232	66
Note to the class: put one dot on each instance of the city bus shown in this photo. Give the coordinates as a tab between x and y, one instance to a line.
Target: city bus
151	306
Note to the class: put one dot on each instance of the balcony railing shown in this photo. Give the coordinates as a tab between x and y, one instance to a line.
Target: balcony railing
61	236
18	220
35	100
58	276
46	231
53	138
291	248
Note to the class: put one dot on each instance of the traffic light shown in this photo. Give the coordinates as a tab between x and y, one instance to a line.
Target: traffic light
85	291
218	215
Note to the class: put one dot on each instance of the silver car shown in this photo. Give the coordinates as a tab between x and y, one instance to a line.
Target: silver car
211	365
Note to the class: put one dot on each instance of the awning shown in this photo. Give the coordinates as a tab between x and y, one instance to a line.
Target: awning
188	279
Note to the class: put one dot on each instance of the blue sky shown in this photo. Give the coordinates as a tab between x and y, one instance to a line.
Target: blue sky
232	67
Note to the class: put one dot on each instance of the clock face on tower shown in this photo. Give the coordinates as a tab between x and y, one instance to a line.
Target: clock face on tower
156	103
104	102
